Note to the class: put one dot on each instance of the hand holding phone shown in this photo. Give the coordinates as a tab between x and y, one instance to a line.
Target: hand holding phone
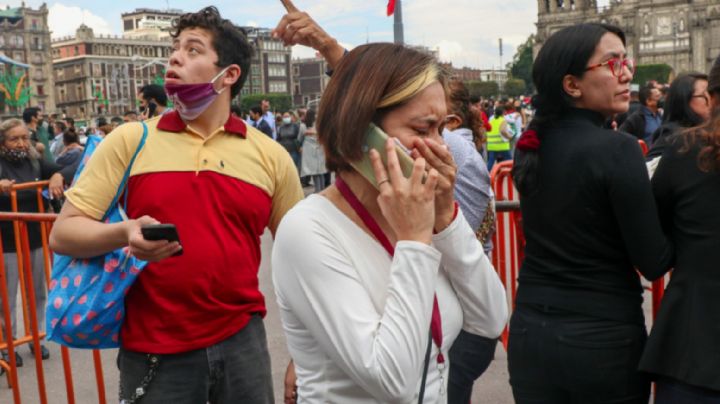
375	138
155	232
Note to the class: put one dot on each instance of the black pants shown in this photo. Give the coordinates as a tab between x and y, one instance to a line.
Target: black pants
671	391
236	370
558	357
470	356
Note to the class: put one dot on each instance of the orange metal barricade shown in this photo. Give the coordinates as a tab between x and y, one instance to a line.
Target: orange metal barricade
28	299
508	243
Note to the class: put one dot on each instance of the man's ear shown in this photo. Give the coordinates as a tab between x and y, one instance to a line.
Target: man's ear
232	75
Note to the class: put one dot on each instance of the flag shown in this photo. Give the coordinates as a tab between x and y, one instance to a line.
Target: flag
391	7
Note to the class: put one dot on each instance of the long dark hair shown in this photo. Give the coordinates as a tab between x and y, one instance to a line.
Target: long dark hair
708	136
677	102
565	52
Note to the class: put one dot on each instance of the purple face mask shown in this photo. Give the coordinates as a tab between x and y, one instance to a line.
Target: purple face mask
191	100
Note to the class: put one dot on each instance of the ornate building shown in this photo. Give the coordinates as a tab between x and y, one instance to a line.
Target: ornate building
101	74
684	34
25	38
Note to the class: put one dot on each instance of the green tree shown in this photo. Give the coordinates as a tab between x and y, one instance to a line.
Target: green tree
521	65
278	102
485	89
658	72
514	87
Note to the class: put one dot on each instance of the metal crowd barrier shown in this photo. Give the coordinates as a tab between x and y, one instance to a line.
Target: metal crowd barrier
28	300
508	242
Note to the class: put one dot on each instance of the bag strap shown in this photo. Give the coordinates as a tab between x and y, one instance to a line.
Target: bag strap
126	176
374	227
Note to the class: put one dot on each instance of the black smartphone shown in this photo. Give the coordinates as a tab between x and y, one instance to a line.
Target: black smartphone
155	232
151	109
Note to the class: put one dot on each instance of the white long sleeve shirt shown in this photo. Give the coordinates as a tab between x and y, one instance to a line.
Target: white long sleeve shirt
357	320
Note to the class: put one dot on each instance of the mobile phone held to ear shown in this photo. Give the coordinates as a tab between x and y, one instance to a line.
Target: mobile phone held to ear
151	109
375	138
155	232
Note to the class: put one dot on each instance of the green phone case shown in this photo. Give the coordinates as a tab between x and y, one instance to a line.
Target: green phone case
375	138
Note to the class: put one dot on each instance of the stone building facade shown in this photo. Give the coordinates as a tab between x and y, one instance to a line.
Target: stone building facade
684	34
270	67
25	38
101	75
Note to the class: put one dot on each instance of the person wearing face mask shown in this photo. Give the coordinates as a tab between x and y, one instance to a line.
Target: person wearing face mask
19	163
289	136
153	101
221	183
591	227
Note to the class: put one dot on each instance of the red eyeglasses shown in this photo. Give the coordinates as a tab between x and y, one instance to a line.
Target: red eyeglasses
616	66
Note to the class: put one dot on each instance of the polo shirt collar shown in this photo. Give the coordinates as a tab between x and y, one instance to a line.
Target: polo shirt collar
172	122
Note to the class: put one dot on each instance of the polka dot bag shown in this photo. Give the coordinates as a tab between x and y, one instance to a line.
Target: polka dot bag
86	299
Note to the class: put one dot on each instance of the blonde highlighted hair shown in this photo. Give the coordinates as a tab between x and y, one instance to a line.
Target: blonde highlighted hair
369	82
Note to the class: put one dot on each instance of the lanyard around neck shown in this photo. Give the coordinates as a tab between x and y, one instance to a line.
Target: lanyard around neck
374	227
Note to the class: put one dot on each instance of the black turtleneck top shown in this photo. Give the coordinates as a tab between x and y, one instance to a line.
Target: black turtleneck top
592	222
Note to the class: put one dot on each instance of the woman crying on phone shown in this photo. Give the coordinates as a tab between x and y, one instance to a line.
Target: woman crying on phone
378	274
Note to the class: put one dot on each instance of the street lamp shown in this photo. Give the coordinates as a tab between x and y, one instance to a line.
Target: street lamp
675	39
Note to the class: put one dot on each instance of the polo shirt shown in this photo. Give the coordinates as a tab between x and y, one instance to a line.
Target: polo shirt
221	192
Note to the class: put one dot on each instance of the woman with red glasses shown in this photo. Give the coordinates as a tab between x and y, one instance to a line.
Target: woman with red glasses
590	220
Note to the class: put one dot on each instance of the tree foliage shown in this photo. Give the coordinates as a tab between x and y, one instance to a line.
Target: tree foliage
658	72
514	87
485	89
278	102
521	65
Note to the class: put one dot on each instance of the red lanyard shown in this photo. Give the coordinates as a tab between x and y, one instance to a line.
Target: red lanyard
366	217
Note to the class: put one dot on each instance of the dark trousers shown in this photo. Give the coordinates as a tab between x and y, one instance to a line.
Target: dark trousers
236	370
496	157
470	356
671	391
559	357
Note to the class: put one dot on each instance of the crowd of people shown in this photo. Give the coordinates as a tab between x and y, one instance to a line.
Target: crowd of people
383	278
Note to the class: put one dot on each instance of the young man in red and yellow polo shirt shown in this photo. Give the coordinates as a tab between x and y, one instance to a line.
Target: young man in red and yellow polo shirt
221	183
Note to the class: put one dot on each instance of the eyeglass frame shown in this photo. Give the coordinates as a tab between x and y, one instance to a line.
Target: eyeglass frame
705	96
611	65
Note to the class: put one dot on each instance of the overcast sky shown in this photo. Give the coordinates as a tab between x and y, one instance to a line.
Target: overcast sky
466	32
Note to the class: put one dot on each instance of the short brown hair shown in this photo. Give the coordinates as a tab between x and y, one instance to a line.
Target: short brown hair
369	82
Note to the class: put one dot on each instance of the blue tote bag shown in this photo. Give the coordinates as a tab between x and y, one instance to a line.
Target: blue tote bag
86	300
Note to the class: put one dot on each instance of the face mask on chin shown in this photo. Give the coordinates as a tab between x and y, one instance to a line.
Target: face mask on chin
191	100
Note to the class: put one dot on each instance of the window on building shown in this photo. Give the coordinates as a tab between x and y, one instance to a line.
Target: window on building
40	90
278	87
78	69
277	71
76	50
128	25
34	24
